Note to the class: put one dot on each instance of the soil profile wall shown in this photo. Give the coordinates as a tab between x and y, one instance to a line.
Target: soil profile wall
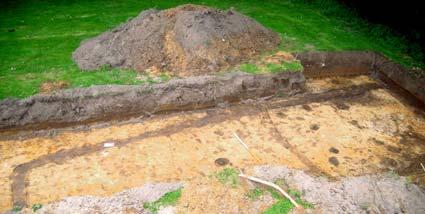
75	106
325	64
116	101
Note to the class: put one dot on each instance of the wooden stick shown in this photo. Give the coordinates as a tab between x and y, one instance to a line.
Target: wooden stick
246	147
270	184
423	167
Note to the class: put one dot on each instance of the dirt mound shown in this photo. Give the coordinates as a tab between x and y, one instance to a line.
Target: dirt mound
185	40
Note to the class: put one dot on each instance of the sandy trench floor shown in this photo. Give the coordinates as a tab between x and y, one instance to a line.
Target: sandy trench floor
341	137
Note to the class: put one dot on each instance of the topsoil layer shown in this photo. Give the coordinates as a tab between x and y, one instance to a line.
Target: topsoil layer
185	40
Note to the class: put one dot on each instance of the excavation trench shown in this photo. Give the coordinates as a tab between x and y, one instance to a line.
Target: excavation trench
19	181
103	103
336	124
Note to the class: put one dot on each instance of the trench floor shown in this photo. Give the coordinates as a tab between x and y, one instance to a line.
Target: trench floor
341	136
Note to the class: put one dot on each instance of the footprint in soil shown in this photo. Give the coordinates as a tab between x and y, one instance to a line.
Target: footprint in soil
334	161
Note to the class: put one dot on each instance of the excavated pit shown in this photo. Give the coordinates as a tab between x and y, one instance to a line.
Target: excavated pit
372	130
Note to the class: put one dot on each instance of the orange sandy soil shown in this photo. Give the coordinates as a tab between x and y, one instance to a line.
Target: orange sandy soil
368	133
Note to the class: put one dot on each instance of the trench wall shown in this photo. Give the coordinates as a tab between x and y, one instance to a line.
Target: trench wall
75	106
96	103
324	64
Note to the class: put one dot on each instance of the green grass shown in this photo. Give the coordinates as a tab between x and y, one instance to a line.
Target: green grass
47	31
17	209
228	176
285	66
280	207
36	207
249	68
169	199
283	205
255	193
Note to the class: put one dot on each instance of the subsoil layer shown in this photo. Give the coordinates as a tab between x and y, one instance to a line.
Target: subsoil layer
350	127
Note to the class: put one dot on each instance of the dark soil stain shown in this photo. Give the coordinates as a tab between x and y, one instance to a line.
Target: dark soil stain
356	124
307	108
314	127
218	132
378	142
221	161
281	114
341	105
334	161
334	150
393	149
412	138
389	162
335	82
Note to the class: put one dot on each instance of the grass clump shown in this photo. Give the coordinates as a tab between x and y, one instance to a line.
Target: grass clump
255	193
284	67
169	199
280	207
228	176
249	68
283	205
36	207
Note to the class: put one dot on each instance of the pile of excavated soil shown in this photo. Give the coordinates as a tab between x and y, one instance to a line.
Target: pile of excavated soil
186	40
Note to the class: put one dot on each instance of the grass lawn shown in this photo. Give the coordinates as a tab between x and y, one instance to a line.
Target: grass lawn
37	37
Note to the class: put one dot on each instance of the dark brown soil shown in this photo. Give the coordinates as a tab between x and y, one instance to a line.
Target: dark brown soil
334	161
97	103
334	150
221	161
185	40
